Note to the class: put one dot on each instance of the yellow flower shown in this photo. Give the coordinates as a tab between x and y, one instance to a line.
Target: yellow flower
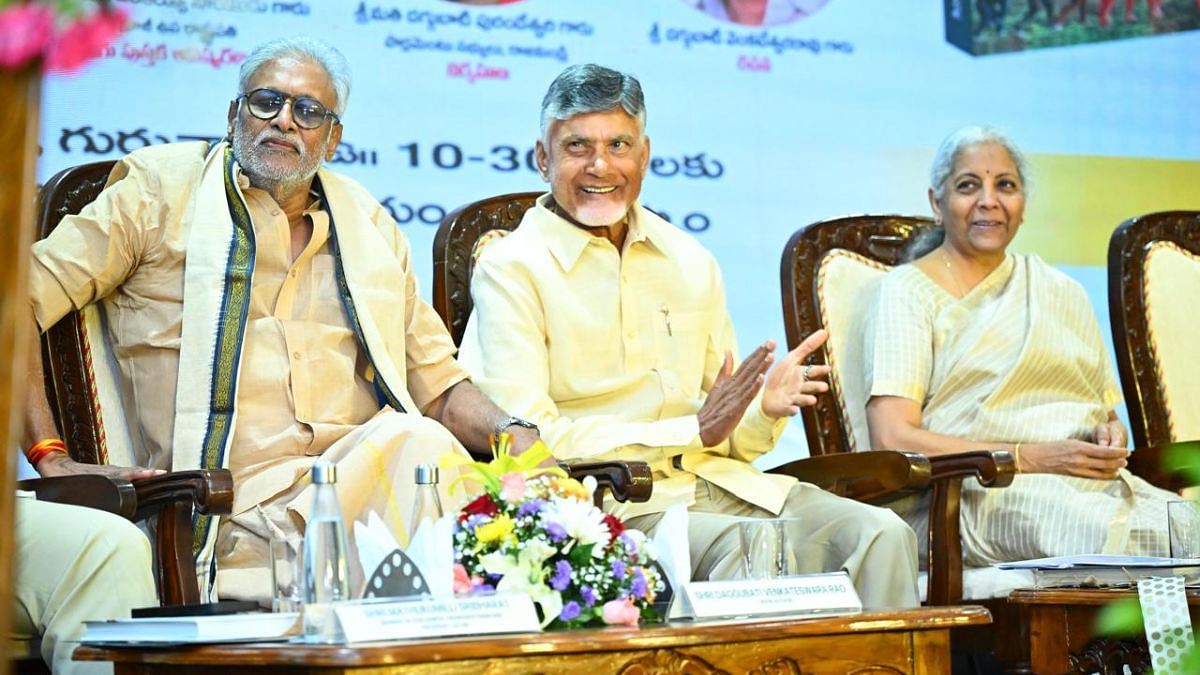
496	530
571	488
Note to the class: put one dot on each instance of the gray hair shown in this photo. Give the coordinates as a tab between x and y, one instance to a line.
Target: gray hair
967	137
301	49
943	165
589	88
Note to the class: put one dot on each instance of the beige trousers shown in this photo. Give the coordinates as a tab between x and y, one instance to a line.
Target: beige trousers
872	544
76	564
376	463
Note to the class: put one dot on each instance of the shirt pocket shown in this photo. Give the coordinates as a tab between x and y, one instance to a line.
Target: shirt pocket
683	340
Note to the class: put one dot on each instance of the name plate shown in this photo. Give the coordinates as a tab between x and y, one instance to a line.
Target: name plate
830	593
429	617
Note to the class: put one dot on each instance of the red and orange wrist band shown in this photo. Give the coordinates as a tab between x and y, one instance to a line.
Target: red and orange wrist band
44	447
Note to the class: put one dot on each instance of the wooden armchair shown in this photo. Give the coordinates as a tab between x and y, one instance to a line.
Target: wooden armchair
826	274
459	238
70	360
1153	277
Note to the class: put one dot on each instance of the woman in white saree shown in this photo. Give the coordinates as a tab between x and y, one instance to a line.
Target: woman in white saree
970	347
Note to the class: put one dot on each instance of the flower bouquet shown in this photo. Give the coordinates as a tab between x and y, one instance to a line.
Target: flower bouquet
535	531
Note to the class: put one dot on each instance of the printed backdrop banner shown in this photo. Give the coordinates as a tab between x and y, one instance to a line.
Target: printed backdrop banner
765	115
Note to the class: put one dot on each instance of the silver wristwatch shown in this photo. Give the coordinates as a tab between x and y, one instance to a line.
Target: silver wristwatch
511	421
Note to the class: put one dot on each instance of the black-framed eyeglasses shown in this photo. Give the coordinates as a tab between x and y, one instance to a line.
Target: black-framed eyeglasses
307	112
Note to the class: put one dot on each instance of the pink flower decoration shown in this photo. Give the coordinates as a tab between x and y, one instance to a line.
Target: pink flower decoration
85	39
512	487
25	31
621	611
462	581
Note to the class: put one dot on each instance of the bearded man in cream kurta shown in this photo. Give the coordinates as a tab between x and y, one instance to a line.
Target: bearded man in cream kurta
607	327
264	312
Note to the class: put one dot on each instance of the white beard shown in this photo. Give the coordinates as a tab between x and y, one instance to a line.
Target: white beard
271	176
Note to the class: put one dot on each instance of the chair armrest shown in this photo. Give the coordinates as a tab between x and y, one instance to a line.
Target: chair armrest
992	468
209	490
628	481
870	476
114	495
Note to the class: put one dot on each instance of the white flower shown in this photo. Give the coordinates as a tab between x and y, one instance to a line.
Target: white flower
581	520
524	574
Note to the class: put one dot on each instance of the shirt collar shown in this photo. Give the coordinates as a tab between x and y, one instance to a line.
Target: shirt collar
568	240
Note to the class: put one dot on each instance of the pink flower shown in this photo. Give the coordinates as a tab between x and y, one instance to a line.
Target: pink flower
512	487
462	580
85	39
465	584
621	611
25	31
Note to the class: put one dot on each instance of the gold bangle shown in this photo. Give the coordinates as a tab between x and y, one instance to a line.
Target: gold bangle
1017	456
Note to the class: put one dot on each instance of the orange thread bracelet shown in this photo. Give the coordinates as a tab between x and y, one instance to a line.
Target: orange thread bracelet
44	447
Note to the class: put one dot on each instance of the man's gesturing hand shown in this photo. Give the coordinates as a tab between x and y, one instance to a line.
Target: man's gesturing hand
732	393
791	385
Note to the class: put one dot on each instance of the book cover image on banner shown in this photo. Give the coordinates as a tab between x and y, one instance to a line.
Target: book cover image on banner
997	26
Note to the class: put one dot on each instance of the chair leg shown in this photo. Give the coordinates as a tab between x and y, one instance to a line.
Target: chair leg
176	567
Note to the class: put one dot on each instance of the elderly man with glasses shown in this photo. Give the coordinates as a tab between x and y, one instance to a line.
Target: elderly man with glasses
264	312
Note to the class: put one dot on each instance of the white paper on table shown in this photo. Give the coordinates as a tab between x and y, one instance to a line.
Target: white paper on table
432	550
674	556
375	542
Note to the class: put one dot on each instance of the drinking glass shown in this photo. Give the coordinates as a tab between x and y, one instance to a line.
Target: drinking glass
764	548
287	574
1183	527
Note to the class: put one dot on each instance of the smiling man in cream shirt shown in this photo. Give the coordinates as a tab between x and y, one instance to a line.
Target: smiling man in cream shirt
607	326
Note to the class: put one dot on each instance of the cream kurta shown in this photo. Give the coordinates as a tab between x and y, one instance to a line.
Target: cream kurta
304	383
1019	358
612	354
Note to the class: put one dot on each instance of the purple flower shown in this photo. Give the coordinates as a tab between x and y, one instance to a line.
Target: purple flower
556	532
569	611
638	587
630	544
531	507
618	569
589	595
562	576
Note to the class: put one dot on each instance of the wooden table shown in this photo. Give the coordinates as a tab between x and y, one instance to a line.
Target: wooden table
1061	631
908	641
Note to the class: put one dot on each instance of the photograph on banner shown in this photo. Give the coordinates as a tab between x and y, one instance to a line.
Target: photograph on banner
996	26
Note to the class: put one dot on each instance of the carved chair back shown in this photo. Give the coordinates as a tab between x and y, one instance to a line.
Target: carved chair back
455	248
66	352
826	275
81	383
1153	279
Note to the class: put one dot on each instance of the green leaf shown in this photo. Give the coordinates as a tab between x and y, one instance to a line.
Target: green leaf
1183	458
580	555
1191	661
1123	617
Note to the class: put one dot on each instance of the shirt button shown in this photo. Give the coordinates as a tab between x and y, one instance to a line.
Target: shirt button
293	274
296	355
274	212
